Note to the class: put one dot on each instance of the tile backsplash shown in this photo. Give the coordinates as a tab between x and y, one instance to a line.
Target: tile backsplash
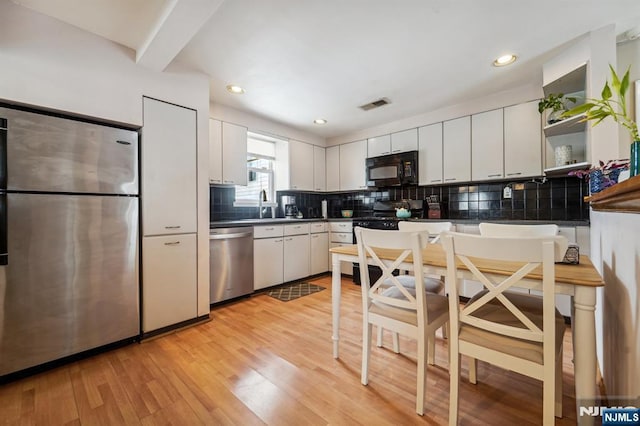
555	199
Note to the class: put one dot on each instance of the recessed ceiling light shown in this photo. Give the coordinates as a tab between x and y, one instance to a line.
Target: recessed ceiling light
504	60
319	121
236	90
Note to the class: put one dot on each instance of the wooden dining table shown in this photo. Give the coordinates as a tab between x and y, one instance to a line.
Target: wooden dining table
579	281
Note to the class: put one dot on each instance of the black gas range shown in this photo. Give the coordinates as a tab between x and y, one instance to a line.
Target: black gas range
384	217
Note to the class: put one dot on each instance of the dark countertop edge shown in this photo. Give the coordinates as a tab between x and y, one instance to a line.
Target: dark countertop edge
282	221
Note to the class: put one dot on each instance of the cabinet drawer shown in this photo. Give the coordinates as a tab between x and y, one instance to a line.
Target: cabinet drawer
317	227
340	226
342	237
297	229
268	231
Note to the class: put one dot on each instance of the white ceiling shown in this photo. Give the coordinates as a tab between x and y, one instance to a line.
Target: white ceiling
301	59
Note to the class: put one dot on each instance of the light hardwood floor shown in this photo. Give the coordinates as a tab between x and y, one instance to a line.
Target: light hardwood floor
262	361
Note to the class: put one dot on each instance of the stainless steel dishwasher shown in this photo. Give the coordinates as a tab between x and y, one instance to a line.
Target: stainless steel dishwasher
230	262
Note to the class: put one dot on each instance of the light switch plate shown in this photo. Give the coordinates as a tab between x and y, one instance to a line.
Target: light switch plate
506	192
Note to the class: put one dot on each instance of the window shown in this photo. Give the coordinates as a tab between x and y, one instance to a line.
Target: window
261	155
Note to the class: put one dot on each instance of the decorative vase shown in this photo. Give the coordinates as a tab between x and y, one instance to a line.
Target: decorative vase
596	181
563	155
634	160
554	117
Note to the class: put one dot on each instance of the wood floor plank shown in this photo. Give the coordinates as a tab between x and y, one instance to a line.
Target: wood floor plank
263	361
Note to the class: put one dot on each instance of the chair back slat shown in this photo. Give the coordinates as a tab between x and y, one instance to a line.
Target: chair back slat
432	229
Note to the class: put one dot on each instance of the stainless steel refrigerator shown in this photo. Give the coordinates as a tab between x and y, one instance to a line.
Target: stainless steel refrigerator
68	238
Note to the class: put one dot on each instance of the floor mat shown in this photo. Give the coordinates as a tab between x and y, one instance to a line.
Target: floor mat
294	291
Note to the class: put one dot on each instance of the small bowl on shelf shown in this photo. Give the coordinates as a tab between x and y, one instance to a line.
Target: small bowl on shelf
403	213
347	213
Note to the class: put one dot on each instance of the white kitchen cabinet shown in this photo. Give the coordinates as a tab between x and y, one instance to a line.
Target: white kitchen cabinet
268	257
341	234
234	154
168	155
227	153
406	140
487	142
522	141
430	154
319	169
457	150
169	290
319	242
333	168
296	257
352	165
301	164
380	145
215	151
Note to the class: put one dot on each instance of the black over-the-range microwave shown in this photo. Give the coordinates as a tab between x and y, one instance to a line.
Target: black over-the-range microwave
393	170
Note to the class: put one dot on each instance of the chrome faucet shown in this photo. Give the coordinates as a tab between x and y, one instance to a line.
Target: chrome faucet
262	198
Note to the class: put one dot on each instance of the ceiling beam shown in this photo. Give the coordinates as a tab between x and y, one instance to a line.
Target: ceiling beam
178	23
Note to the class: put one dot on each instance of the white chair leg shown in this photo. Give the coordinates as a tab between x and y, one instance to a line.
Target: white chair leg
396	343
548	395
422	375
380	329
431	349
558	407
473	371
366	352
454	388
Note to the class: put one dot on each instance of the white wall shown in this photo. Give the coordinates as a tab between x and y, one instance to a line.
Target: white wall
498	100
52	65
629	54
262	125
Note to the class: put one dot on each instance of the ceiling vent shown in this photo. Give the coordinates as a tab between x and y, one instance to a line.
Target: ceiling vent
375	104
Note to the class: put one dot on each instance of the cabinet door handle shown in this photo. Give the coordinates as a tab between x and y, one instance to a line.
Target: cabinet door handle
514	174
436	180
495	175
288	239
172	227
449	179
396	150
277	241
269	229
172	243
214	180
229	181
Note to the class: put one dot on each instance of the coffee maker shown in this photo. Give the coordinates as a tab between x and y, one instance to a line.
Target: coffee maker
288	206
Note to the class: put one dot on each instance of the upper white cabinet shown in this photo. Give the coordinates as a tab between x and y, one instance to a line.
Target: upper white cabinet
380	145
333	168
522	141
430	154
352	165
168	169
404	141
301	166
227	153
319	169
457	150
487	145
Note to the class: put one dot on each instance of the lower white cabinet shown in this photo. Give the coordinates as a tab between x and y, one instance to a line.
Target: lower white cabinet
169	292
341	234
319	244
268	264
296	257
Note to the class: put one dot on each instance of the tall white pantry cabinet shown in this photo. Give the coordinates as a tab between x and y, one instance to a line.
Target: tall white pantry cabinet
169	215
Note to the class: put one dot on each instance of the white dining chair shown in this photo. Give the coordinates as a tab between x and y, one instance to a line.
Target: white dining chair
517	332
432	284
411	312
511	230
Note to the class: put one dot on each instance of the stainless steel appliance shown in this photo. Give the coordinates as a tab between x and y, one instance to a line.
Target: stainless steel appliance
289	206
384	217
393	170
69	238
230	263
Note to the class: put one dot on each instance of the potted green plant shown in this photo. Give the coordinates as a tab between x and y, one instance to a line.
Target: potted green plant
608	106
556	102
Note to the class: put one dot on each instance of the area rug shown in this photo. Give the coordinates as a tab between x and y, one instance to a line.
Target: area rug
294	291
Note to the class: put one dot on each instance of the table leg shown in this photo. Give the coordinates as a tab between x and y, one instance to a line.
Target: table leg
584	349
336	284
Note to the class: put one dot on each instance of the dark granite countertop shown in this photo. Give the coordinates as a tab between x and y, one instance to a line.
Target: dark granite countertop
284	221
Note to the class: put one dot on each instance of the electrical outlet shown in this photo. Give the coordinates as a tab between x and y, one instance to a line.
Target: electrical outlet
518	186
506	192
